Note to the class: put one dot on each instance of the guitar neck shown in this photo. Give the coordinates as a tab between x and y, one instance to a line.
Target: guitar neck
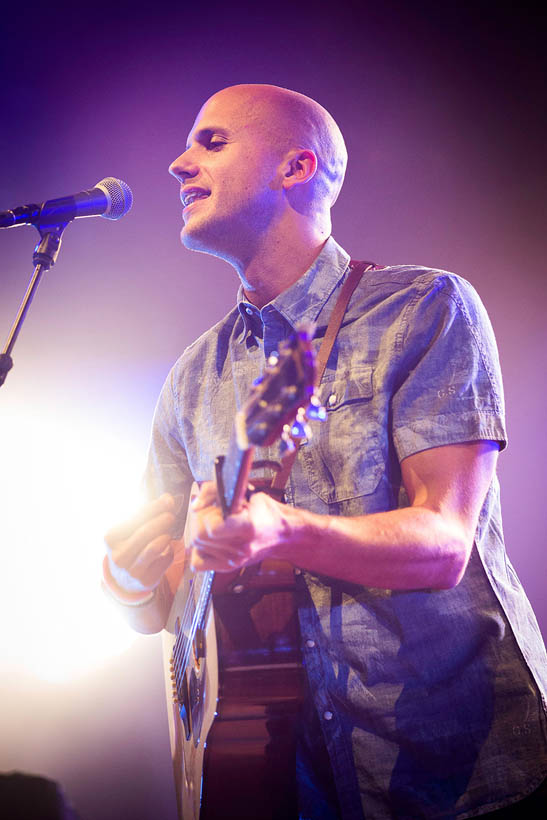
232	470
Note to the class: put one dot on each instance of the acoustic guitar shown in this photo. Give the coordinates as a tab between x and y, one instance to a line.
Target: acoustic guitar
235	679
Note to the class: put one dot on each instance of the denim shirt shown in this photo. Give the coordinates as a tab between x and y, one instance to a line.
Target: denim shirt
431	702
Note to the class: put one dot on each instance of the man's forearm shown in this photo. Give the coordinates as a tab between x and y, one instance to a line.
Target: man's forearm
147	616
409	548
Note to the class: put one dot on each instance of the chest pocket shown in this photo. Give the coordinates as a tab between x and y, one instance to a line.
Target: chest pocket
344	458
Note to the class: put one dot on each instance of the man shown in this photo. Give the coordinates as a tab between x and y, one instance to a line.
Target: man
425	664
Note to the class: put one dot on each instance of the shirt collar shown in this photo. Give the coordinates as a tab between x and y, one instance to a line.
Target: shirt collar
306	298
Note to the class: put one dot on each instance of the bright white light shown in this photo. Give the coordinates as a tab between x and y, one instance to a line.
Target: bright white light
63	482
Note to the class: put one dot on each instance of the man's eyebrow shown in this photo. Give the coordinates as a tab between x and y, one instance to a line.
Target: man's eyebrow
204	134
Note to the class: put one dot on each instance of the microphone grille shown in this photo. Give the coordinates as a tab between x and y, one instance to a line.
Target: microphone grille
119	194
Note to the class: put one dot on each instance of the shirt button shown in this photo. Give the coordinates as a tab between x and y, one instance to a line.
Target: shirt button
328	715
249	311
331	399
310	643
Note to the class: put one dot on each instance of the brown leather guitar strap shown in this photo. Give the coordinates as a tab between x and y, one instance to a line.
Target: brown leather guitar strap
357	269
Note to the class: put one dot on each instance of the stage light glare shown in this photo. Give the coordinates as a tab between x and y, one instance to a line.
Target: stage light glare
66	481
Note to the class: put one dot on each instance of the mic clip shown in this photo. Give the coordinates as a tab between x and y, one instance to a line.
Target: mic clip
47	249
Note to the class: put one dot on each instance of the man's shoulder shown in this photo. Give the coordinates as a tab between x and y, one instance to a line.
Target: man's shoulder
419	275
416	281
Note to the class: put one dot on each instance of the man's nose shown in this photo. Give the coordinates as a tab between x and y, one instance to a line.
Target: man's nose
183	167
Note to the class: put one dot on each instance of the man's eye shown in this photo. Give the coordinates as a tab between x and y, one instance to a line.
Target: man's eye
215	145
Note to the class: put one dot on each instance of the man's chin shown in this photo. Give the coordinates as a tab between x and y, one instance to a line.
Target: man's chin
190	239
198	240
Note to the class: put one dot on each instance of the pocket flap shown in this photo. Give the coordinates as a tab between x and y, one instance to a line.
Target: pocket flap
356	386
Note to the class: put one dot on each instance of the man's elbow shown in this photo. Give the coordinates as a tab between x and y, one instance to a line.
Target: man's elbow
455	559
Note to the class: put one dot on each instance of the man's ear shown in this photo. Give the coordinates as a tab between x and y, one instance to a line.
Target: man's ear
300	167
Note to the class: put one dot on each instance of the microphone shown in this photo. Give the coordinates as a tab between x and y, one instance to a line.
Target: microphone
110	198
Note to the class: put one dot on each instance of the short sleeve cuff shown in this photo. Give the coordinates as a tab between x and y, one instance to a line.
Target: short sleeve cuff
423	434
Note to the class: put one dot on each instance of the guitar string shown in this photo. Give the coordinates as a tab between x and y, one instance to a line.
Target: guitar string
185	630
180	641
204	590
181	646
185	644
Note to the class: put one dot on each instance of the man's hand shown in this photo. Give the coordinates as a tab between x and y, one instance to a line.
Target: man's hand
258	530
141	549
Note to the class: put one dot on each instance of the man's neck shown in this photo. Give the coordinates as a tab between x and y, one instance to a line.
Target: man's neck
278	265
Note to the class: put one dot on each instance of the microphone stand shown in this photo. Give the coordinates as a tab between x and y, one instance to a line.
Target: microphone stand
44	257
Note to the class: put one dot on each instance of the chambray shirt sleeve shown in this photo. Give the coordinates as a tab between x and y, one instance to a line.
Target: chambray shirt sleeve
451	390
167	467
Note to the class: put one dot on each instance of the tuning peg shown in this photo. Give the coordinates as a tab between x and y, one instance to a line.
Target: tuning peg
300	430
315	410
286	444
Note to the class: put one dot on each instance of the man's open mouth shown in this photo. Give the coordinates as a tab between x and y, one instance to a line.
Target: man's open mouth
191	196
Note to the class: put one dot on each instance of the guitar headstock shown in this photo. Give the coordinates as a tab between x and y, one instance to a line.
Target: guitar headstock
286	385
276	408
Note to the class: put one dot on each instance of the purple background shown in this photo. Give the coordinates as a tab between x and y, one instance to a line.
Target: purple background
443	110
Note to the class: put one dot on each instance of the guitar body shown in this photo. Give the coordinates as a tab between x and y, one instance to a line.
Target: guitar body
252	677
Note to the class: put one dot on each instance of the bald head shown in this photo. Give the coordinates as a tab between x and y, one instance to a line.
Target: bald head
261	169
289	120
